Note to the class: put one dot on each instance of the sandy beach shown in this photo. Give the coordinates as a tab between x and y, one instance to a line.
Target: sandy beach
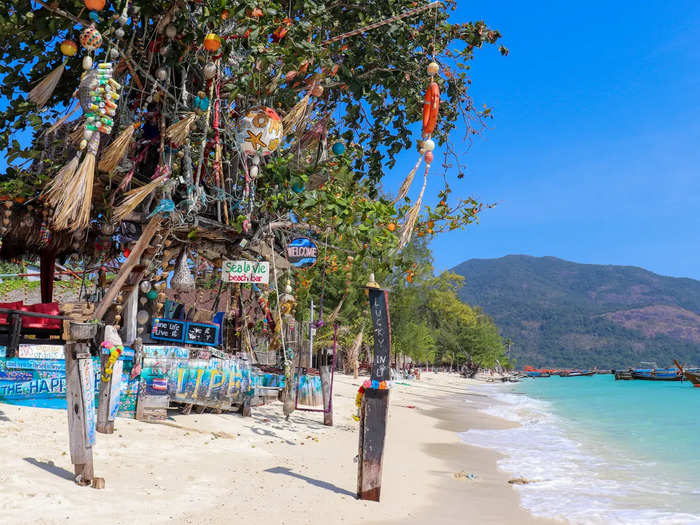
215	468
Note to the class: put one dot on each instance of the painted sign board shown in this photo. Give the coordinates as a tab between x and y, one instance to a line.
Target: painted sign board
379	306
246	272
168	330
40	352
87	386
202	334
302	252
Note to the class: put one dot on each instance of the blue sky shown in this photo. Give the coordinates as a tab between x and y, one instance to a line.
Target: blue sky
594	150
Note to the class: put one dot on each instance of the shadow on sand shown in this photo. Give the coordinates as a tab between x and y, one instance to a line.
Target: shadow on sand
52	468
315	482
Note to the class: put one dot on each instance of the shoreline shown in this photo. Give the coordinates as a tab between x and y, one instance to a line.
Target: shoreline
211	468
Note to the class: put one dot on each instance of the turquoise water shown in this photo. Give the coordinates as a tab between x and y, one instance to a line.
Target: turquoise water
600	450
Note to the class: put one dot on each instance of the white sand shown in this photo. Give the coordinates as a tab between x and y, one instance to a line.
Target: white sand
224	468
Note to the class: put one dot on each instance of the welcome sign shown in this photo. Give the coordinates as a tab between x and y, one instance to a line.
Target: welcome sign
246	272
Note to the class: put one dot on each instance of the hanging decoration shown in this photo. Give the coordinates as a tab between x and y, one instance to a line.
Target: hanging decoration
431	107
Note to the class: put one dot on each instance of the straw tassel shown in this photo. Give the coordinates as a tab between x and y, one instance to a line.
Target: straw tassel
407	230
115	152
54	190
62	120
73	211
41	94
403	191
134	197
177	133
296	115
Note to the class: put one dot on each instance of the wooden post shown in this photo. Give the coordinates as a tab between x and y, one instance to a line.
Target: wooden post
326	390
134	258
129	325
109	390
374	411
80	434
47	270
375	402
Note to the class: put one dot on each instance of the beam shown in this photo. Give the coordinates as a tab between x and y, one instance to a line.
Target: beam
124	272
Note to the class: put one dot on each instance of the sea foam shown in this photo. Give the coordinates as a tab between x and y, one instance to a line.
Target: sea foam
569	480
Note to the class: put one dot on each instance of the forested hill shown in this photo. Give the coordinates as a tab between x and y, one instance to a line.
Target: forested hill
564	314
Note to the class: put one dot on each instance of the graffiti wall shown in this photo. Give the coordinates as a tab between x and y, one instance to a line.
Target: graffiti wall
37	377
177	373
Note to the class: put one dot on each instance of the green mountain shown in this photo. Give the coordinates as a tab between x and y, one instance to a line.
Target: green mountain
563	314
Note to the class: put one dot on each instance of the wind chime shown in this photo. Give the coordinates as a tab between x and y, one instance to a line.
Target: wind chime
431	106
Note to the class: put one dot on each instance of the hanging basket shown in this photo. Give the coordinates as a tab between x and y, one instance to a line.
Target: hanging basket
82	331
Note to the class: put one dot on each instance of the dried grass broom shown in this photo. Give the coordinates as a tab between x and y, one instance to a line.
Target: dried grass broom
73	211
53	193
115	152
177	133
408	226
296	115
406	185
134	197
42	92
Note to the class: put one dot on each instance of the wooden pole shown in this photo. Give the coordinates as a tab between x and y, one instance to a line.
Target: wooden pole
109	389
47	269
326	390
134	258
374	411
129	325
375	401
81	411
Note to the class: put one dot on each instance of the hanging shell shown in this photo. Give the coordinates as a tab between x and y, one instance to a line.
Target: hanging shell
182	279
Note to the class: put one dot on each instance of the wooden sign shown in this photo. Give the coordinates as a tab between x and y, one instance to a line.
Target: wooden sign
202	334
246	272
40	351
379	306
87	386
302	252
168	330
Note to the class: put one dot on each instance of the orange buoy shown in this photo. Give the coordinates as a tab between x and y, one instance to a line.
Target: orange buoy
431	106
212	42
95	5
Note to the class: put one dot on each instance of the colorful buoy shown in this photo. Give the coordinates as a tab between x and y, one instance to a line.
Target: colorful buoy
69	48
212	42
338	148
90	38
95	5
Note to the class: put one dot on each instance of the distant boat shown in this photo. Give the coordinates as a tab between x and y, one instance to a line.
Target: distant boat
537	373
651	372
578	373
693	377
691	374
623	374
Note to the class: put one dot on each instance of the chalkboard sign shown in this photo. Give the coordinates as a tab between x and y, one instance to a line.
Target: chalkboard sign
379	306
202	334
168	330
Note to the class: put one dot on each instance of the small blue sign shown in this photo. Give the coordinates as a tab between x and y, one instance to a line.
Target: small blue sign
302	252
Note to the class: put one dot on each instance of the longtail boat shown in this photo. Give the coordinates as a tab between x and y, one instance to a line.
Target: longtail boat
692	374
651	372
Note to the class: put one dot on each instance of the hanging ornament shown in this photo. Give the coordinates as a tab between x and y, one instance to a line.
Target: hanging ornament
90	38
182	280
171	31
142	317
161	74
259	132
95	5
431	106
338	148
209	70
152	295
69	48
87	63
145	286
433	69
212	42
